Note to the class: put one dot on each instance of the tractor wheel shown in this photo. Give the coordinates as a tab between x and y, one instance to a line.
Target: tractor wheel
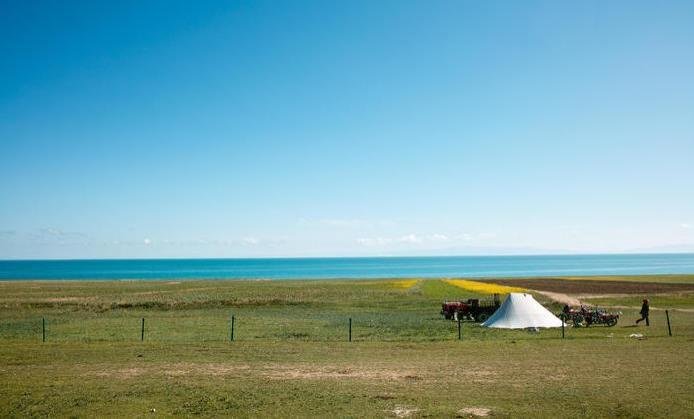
611	322
482	317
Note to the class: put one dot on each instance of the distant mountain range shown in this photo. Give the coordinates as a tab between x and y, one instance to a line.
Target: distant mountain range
670	248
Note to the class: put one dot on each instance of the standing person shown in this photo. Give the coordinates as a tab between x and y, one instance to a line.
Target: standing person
644	312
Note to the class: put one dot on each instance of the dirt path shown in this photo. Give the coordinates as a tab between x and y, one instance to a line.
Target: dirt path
560	298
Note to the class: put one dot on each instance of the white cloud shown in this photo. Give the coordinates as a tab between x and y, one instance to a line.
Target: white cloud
406	239
374	241
434	239
55	236
483	236
242	242
410	238
251	241
686	226
58	233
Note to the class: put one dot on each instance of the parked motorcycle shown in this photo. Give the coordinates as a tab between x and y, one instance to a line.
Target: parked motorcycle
587	316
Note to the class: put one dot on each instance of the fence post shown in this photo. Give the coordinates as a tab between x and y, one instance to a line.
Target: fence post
460	330
667	316
43	323
231	336
562	327
350	329
142	330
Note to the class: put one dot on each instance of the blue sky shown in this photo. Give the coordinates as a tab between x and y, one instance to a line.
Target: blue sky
243	129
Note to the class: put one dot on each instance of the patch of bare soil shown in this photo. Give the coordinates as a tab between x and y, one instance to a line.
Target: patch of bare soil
560	298
289	372
403	411
470	412
299	373
173	370
574	287
589	296
203	369
121	374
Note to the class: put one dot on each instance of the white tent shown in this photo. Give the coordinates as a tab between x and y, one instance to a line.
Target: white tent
520	311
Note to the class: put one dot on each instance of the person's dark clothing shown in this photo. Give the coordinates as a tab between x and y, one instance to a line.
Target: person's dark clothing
644	309
644	313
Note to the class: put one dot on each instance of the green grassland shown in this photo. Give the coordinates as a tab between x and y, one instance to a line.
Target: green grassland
291	357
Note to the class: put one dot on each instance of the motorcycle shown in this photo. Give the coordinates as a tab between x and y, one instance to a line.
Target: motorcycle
585	316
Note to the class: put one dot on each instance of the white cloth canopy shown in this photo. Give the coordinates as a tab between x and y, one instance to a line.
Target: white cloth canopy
520	311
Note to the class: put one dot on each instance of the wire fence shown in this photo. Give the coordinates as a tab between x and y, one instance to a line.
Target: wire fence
231	328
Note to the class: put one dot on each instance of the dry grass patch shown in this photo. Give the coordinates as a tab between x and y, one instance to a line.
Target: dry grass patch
322	373
403	411
471	412
171	370
121	373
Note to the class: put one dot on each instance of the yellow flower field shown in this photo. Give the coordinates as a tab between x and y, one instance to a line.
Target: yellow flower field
405	284
483	287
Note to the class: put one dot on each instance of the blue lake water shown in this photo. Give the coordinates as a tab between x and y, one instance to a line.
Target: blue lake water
375	267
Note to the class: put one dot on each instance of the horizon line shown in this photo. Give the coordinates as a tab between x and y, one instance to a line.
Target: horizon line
621	253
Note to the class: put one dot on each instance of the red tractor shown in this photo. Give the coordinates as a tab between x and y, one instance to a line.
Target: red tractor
473	309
